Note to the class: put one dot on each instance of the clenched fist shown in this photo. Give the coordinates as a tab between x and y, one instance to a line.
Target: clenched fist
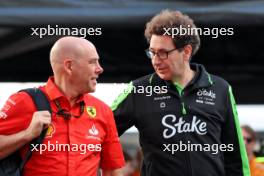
40	120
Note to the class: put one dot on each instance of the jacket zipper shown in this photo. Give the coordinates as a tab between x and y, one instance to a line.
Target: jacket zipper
187	153
183	114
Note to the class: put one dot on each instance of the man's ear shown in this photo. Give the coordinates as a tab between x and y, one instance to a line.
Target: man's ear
187	52
67	64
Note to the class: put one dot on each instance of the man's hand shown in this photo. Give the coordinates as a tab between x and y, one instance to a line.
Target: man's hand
10	143
40	120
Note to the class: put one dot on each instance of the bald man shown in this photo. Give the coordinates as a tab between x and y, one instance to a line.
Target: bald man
81	134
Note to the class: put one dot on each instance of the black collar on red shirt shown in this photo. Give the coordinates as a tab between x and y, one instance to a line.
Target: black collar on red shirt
66	114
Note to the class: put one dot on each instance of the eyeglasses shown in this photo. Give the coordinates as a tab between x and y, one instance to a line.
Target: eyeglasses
248	139
162	54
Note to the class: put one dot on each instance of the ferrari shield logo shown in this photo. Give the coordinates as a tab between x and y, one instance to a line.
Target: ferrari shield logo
91	111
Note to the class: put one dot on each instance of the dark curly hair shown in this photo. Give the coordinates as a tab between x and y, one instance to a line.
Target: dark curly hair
173	19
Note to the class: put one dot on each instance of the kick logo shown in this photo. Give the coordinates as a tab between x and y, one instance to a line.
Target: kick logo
172	127
205	97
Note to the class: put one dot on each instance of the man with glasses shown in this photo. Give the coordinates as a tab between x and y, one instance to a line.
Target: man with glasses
81	133
250	138
191	128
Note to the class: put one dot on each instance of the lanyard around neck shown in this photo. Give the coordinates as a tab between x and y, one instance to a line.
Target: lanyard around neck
66	114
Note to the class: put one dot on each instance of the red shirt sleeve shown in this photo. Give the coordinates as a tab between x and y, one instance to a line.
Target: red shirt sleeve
16	114
112	154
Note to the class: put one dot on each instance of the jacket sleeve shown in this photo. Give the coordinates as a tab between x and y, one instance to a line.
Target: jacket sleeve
236	162
123	107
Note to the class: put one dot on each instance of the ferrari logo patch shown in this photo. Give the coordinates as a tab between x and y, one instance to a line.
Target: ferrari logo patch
91	111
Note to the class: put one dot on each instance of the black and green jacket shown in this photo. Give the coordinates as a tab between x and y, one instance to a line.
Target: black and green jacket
202	117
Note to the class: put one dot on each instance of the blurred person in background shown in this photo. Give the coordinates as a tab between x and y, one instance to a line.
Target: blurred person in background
250	138
138	162
129	166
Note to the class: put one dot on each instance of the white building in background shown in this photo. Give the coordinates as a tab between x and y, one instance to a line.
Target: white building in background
252	115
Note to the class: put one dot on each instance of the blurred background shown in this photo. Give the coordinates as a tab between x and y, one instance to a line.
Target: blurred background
238	58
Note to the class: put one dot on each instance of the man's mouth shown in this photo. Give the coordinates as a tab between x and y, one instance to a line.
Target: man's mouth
159	69
94	79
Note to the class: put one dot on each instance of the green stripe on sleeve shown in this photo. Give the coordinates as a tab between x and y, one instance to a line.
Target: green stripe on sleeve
122	96
151	78
243	153
210	79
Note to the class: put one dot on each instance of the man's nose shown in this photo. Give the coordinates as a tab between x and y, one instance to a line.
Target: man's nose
156	60
99	69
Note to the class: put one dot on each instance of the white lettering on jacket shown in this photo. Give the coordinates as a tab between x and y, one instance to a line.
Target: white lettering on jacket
172	128
204	92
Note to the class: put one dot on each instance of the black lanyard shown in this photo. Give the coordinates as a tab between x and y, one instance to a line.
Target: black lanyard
66	114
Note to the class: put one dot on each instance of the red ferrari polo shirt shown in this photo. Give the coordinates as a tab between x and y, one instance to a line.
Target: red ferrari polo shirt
72	146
